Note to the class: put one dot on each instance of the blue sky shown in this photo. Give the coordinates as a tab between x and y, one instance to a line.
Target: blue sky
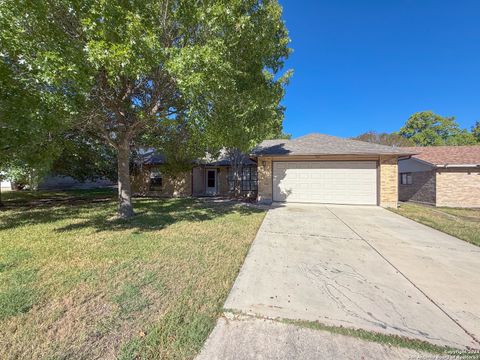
368	65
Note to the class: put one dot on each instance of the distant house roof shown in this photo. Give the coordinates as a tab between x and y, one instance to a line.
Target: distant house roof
320	144
447	155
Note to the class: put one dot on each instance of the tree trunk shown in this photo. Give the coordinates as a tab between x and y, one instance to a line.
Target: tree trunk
125	208
1	204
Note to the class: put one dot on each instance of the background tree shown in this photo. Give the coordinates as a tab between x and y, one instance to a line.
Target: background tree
30	123
393	139
279	135
84	158
476	131
139	66
429	129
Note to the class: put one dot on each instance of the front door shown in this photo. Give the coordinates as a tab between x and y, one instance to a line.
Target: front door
211	188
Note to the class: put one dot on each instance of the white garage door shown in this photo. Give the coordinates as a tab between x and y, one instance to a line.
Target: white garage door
328	182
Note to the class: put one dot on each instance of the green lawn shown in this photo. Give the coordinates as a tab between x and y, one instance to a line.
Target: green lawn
77	283
462	223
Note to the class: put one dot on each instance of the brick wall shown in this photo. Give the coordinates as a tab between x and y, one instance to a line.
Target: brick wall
178	186
264	180
222	177
388	181
421	190
458	187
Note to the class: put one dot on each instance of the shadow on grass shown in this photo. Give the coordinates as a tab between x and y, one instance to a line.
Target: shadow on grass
157	214
97	213
33	199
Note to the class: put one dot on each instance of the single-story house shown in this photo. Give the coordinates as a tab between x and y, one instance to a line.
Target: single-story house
207	177
314	168
441	176
319	168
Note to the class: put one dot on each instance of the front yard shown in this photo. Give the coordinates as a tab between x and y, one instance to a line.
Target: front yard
461	223
75	283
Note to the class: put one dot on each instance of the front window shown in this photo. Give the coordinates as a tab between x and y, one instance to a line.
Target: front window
248	179
156	180
406	179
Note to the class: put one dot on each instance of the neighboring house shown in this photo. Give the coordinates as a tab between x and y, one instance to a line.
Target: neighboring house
206	178
319	168
441	176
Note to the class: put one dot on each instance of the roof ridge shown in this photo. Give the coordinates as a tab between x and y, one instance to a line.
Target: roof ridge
379	146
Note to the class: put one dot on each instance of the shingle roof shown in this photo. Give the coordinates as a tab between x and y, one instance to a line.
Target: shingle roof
447	155
154	158
320	144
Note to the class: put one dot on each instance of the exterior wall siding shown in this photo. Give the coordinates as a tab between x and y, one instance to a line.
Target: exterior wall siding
421	190
458	187
178	186
388	181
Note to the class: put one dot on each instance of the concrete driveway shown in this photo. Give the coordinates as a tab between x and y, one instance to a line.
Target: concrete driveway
362	267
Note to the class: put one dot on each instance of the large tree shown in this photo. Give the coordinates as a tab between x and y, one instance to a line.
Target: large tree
134	68
429	129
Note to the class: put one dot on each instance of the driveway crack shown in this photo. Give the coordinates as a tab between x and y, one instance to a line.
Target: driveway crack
405	277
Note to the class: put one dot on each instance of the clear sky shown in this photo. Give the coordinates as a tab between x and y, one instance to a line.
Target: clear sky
369	64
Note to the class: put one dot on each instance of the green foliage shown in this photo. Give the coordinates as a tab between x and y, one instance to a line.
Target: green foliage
128	71
279	135
211	62
393	139
429	129
28	127
476	131
25	174
84	158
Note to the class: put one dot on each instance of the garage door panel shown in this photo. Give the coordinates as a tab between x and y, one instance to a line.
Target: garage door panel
338	182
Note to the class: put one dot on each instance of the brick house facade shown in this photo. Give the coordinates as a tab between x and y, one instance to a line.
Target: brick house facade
441	176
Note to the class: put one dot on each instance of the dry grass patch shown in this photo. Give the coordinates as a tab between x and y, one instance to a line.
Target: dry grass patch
74	284
461	223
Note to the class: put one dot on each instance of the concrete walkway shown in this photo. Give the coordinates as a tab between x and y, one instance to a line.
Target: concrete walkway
267	339
362	267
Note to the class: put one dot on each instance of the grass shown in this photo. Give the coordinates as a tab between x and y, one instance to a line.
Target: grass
386	339
461	223
77	283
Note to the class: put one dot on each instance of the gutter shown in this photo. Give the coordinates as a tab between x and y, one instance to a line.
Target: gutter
333	154
458	166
